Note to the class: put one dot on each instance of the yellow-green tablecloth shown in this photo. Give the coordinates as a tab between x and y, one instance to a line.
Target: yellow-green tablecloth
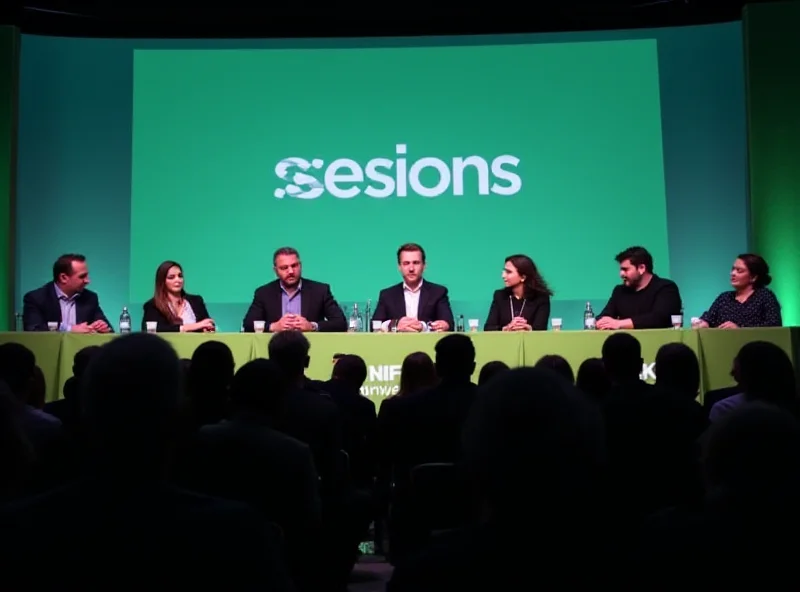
384	353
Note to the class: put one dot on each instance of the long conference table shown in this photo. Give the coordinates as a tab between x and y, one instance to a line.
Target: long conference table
384	353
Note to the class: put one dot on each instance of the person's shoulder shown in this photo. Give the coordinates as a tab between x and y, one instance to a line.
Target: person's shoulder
87	294
767	294
269	286
434	287
287	444
194	298
724	296
392	288
315	394
419	396
540	297
500	294
367	403
40	291
662	282
149	305
390	403
315	285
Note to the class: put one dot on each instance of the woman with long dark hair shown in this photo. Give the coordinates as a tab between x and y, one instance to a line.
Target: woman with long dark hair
172	308
524	304
417	372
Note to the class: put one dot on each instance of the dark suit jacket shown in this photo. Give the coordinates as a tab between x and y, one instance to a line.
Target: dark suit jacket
536	311
151	313
317	305
41	306
434	304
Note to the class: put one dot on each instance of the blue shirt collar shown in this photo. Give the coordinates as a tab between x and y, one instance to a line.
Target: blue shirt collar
61	296
283	288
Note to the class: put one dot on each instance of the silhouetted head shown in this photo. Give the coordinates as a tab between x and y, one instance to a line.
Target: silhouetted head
622	357
455	358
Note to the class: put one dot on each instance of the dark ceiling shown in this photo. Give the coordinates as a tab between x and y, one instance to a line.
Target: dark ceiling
120	18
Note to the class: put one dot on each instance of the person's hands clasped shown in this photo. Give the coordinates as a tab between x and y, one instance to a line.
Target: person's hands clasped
99	326
291	322
409	325
206	326
728	325
301	323
285	323
439	326
607	324
518	324
81	328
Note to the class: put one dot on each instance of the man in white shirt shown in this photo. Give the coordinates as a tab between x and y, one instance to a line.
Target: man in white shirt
414	305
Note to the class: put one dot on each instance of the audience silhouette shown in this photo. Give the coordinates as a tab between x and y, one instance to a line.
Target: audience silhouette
193	472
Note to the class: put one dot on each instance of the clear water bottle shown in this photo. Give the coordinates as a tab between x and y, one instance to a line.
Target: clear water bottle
356	323
125	321
588	317
460	324
18	323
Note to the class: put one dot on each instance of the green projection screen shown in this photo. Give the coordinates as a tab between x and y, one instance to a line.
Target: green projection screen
567	147
474	152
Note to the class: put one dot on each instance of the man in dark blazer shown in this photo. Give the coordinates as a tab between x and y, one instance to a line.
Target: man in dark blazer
414	305
293	302
65	301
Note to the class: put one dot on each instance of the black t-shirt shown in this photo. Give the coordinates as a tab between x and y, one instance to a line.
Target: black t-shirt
649	308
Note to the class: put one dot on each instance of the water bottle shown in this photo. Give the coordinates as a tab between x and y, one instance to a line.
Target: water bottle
356	323
125	321
368	316
588	317
460	324
18	324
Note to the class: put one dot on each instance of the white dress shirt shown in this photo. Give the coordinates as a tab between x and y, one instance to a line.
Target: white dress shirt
412	305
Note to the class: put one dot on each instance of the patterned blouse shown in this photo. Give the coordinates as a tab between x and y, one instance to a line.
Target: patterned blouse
188	317
761	309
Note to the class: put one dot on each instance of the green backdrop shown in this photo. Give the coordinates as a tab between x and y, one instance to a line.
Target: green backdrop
622	137
773	114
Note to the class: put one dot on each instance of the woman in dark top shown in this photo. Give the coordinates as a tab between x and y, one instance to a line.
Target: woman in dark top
524	304
750	303
173	309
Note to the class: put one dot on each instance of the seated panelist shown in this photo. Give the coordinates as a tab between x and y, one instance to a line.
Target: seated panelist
292	302
750	303
172	308
524	304
413	305
643	300
65	302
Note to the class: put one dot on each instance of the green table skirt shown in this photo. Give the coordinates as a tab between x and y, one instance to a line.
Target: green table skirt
384	353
